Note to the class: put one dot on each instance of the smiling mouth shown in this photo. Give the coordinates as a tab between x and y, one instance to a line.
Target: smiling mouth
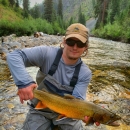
74	51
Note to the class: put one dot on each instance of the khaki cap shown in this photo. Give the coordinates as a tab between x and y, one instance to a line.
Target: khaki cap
77	30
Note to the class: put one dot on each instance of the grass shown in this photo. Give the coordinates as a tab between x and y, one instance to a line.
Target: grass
9	14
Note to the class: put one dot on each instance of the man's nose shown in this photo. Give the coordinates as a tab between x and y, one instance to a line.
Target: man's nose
75	46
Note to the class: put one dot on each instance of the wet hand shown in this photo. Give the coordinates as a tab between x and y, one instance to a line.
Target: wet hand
26	93
89	120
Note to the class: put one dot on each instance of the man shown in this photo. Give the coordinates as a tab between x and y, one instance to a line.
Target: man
60	72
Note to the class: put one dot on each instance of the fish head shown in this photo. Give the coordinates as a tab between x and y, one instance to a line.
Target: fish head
107	118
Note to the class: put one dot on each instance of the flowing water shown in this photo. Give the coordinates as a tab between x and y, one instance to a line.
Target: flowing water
109	87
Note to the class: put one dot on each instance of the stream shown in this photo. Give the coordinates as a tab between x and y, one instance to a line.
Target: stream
109	87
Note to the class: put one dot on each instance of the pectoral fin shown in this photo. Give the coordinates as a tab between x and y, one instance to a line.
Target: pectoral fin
40	105
61	117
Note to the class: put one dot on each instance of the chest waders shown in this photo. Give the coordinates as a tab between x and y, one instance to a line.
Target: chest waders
52	85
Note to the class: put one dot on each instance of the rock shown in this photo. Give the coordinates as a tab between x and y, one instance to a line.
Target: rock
36	34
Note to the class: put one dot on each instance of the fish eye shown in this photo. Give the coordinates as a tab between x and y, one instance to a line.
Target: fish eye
112	115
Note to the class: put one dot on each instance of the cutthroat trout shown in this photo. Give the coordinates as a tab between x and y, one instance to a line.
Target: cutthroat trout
71	107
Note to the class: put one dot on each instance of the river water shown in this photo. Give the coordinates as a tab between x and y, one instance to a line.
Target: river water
109	87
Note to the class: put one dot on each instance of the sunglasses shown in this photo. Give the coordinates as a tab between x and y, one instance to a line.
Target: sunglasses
71	42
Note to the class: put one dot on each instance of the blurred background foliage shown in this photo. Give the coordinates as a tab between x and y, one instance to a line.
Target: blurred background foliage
54	16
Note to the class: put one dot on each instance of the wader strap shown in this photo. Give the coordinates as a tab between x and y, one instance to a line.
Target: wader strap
56	62
75	75
53	89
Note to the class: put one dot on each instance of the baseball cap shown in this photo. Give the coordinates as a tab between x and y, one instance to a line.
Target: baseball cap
77	30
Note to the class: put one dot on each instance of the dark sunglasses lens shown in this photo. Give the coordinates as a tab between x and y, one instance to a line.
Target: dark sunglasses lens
81	45
71	42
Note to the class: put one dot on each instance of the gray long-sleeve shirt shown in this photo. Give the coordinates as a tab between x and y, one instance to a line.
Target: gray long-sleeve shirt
43	57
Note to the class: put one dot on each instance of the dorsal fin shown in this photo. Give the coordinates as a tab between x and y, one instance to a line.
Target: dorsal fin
68	96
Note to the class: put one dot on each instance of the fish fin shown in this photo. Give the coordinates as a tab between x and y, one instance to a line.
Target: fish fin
40	105
61	117
89	122
44	90
68	96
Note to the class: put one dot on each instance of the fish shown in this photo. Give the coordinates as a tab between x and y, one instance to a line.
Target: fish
71	107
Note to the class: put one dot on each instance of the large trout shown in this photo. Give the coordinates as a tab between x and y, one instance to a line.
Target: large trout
72	107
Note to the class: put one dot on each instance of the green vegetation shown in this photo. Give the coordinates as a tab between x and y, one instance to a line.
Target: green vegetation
81	17
113	20
15	20
27	27
48	10
26	21
55	16
60	9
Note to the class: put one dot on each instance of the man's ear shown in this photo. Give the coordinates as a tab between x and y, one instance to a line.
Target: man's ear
86	48
63	40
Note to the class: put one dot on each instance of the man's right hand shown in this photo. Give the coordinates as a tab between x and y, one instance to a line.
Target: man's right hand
26	93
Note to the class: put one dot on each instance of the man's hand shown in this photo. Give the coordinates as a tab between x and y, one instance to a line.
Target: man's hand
26	93
89	120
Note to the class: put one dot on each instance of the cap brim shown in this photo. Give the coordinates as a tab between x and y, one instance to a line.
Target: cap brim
81	38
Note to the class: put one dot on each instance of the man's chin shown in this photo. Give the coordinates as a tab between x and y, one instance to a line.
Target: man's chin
73	58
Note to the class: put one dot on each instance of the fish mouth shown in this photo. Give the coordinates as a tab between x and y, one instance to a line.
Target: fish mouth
116	124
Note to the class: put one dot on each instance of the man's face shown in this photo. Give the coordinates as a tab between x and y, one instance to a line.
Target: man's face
73	48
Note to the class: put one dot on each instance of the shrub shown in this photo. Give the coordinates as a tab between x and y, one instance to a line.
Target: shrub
113	31
126	30
56	27
28	27
6	28
4	2
109	31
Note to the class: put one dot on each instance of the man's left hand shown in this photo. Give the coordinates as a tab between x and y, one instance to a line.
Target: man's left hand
88	120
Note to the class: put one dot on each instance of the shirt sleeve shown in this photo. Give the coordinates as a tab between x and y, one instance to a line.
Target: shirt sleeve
20	59
80	89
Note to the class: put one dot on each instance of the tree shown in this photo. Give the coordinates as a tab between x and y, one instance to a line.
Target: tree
71	21
54	16
81	18
17	3
26	5
115	7
12	2
60	9
35	13
48	10
101	12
